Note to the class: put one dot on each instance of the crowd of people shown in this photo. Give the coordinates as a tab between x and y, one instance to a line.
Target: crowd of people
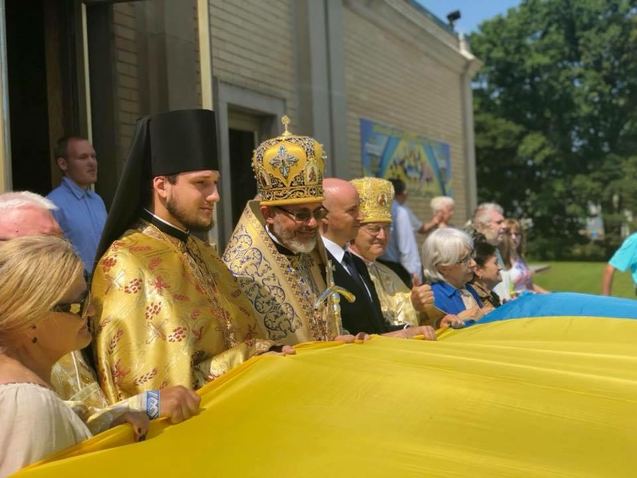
123	323
471	270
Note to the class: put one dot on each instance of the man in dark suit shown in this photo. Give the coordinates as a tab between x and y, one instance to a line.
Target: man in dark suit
338	228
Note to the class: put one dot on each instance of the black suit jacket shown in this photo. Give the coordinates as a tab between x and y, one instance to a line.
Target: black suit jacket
364	314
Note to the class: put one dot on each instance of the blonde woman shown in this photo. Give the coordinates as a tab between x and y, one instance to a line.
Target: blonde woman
43	316
512	249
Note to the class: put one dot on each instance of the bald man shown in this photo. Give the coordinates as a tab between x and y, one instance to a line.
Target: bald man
338	229
26	214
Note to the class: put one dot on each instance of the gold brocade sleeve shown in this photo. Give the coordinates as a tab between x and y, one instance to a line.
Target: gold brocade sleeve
101	419
157	324
394	296
225	361
74	381
120	300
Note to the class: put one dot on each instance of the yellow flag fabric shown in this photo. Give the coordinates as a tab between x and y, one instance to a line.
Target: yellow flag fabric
522	398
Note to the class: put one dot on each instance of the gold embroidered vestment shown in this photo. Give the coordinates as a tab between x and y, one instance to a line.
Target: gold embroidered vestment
168	312
394	295
282	287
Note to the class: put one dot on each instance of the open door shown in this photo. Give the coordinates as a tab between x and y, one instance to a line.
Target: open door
44	72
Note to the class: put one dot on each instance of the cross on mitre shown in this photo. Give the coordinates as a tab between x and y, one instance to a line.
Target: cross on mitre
283	161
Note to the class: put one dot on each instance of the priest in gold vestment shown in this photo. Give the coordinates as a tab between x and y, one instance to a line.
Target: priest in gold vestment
399	304
274	250
168	311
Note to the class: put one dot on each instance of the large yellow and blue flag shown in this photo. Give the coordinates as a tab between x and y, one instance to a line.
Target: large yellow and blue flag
544	386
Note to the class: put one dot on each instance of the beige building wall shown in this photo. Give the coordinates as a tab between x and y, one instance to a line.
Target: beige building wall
412	85
127	75
400	68
397	67
151	40
253	48
338	60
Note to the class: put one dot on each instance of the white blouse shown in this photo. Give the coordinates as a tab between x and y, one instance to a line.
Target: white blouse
34	422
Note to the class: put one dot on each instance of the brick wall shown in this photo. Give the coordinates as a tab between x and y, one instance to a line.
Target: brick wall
392	81
388	79
132	88
127	79
253	47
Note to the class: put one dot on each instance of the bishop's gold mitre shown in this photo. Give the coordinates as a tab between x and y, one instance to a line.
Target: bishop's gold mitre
376	196
289	169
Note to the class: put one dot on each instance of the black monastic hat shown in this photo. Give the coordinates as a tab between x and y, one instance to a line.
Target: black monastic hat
164	144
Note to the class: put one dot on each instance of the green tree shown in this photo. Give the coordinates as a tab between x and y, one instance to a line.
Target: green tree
556	116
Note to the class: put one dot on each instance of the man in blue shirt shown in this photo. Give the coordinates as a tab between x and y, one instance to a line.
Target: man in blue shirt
402	254
625	257
81	212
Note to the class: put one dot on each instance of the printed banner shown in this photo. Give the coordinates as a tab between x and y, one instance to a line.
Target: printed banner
424	164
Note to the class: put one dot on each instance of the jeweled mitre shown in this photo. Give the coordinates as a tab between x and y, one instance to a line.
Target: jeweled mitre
289	169
376	196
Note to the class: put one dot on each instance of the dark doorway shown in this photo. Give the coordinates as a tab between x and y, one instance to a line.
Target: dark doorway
29	118
244	186
44	94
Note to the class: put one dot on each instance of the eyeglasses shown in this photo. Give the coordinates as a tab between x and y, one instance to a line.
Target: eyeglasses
78	308
374	229
467	259
304	215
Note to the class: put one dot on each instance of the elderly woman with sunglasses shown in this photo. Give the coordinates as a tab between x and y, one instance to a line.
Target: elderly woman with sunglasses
41	292
43	316
448	265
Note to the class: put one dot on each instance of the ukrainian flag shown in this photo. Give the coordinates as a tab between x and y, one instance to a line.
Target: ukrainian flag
544	386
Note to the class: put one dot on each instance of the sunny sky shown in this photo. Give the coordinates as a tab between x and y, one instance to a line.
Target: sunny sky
473	11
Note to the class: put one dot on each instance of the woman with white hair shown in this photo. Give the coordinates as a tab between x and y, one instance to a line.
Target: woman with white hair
448	265
442	208
41	319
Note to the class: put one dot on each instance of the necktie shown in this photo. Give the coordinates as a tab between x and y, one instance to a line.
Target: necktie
348	263
377	315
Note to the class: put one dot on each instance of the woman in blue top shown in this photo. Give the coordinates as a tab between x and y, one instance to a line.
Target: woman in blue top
448	264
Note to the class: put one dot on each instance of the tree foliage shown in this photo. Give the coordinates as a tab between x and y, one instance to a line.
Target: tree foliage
556	116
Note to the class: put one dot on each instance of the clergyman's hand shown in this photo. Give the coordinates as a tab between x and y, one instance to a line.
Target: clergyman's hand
426	331
349	338
281	350
178	403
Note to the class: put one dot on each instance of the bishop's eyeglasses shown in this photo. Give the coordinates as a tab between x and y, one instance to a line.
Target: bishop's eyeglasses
304	215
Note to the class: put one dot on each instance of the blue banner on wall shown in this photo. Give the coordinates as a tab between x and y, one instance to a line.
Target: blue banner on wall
424	164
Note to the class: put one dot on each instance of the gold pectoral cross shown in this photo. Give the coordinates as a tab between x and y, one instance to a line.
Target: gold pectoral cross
331	295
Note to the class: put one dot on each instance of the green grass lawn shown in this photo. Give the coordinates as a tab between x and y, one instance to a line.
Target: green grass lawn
583	277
